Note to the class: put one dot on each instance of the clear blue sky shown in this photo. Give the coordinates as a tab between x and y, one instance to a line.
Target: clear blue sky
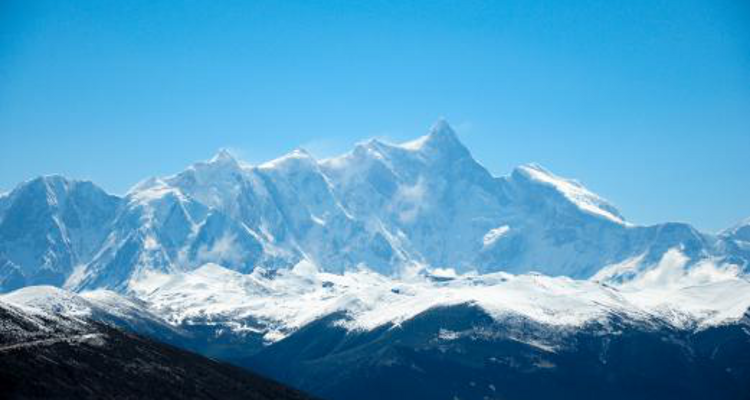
647	102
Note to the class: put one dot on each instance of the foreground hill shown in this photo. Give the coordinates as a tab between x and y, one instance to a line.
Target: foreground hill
48	356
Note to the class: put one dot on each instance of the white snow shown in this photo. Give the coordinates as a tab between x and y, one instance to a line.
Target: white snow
707	295
50	299
441	127
574	191
493	235
296	155
629	266
153	189
416	144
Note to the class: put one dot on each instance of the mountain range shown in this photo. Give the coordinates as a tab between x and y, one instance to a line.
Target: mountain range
388	208
408	268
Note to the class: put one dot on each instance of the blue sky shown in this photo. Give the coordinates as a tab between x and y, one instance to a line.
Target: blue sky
647	102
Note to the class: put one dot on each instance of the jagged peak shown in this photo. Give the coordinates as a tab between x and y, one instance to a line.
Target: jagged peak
223	162
440	136
223	156
443	130
440	139
439	146
224	159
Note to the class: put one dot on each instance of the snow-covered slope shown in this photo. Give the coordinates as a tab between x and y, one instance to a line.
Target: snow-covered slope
271	306
390	208
99	305
277	305
49	227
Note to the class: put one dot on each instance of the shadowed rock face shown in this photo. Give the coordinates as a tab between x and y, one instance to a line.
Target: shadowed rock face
47	356
460	352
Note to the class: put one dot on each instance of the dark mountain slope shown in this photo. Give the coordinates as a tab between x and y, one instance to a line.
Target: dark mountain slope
52	357
461	353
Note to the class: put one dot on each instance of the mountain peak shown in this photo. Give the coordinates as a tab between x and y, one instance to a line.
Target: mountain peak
442	128
222	161
47	181
441	137
52	186
223	156
442	134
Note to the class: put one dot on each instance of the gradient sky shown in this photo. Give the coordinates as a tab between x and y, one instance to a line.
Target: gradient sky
647	102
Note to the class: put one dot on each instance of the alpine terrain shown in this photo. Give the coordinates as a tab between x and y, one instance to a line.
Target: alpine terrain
394	271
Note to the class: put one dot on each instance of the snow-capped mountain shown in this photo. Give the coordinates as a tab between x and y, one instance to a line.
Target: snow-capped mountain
391	263
389	208
49	227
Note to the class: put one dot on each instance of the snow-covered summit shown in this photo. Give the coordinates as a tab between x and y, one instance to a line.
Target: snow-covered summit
223	156
440	137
